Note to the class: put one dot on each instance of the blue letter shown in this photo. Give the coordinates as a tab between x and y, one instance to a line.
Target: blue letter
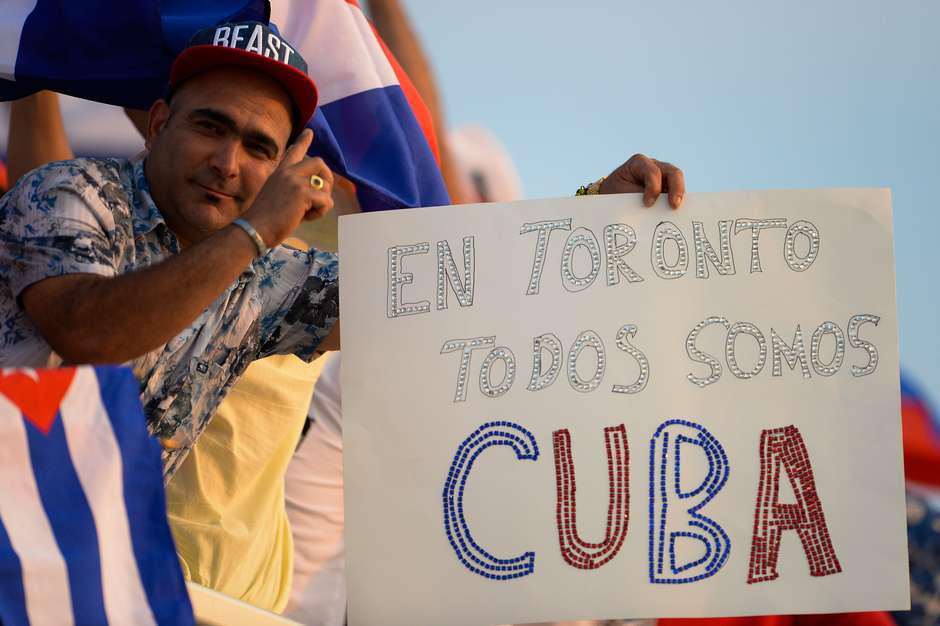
673	439
475	558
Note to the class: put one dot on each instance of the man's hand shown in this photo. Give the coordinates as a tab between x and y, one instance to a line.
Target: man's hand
288	197
649	176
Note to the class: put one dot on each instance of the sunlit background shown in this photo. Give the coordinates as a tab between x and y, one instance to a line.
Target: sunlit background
740	94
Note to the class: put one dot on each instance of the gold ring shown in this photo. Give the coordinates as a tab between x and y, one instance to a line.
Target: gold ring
316	182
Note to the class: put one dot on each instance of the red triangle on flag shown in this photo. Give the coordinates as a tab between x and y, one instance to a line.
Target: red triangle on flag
38	400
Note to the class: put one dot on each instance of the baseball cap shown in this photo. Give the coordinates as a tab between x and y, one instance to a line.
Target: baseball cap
254	45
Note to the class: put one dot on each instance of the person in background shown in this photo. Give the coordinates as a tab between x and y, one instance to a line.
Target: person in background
485	171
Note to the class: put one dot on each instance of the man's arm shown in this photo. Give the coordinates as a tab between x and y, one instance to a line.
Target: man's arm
96	319
36	136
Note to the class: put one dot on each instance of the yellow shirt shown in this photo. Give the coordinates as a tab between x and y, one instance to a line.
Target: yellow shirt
226	502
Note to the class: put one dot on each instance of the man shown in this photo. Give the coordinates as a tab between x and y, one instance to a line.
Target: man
163	263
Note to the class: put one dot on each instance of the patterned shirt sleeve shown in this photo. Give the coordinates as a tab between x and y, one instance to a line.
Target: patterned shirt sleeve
300	300
53	226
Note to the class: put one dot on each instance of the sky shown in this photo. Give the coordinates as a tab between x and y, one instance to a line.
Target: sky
740	94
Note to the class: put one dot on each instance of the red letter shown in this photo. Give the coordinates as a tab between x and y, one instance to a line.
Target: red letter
783	448
575	551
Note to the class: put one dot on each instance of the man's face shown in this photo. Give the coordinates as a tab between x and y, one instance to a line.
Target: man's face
213	147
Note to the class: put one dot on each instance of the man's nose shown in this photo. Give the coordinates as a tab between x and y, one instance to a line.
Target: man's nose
224	159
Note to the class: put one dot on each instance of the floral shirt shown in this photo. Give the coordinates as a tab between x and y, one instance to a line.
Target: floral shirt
96	216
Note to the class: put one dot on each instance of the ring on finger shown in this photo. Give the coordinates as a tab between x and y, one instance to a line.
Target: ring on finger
317	182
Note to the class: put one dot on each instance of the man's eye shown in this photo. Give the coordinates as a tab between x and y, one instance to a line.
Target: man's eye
259	151
209	127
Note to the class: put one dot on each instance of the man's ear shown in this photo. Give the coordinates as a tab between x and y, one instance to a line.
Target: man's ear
157	118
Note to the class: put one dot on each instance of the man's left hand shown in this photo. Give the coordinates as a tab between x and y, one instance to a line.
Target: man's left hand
651	177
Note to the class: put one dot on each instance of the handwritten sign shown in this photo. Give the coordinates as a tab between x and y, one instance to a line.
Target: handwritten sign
581	408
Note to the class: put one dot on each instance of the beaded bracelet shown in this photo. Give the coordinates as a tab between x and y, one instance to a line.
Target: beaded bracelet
590	189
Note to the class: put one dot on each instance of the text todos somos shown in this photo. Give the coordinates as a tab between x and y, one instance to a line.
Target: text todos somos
671	255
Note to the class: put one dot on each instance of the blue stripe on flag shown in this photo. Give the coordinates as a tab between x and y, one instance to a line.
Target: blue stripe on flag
118	53
67	43
70	517
12	595
182	18
373	139
144	499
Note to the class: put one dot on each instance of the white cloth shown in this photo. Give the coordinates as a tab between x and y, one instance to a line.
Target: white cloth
314	497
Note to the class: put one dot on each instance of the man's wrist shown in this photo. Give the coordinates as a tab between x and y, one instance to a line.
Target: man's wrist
253	234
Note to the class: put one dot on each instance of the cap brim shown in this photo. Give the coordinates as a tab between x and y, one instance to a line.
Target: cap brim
198	59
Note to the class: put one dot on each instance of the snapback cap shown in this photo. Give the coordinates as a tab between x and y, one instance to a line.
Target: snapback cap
253	45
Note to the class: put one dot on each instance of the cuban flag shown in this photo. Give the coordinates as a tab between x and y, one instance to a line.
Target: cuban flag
84	537
372	126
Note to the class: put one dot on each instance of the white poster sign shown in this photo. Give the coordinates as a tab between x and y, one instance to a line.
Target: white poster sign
581	408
